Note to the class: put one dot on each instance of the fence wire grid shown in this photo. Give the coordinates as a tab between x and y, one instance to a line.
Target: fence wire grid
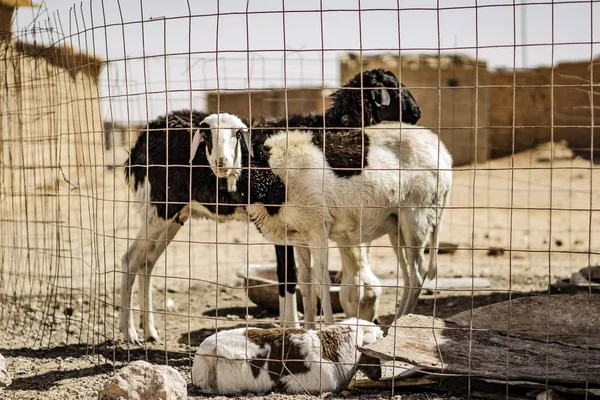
509	88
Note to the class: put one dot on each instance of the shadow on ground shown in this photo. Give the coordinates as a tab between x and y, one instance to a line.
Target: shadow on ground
84	356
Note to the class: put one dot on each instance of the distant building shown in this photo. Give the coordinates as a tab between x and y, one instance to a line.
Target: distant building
51	124
269	102
546	106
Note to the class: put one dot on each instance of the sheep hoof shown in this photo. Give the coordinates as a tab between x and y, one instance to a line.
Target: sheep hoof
231	187
130	336
151	335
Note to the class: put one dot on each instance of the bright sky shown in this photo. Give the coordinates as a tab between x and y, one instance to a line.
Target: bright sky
314	33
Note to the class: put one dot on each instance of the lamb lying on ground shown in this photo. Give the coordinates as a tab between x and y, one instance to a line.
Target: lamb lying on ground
289	360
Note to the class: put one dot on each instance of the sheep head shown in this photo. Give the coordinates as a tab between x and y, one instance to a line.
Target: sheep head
221	134
383	98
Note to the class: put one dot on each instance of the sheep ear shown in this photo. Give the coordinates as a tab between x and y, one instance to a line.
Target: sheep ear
385	97
381	98
246	137
196	140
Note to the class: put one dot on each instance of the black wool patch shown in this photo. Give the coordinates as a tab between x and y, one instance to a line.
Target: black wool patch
345	152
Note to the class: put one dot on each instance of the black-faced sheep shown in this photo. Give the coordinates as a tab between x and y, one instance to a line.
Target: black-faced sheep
168	191
304	196
289	360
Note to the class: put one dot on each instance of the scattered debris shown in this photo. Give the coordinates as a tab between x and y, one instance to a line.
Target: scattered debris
445	283
451	348
572	319
447	355
586	280
262	289
558	242
262	286
495	251
5	379
141	380
591	273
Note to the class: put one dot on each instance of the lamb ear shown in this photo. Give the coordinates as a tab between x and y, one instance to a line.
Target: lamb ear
246	137
196	140
385	98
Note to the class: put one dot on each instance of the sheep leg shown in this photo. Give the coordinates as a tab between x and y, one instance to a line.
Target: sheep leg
287	277
306	287
365	251
417	277
397	242
142	254
371	287
415	241
349	292
319	252
131	262
167	234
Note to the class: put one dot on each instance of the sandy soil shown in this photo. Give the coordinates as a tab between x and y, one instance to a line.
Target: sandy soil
59	323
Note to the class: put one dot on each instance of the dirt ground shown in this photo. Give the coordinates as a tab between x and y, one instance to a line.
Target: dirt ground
60	330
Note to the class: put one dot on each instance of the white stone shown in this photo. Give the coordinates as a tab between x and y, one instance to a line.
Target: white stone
141	380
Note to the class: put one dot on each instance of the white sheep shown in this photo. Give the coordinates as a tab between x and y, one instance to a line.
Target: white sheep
289	360
401	190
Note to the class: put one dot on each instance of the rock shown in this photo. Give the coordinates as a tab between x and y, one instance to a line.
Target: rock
141	380
548	394
5	379
578	278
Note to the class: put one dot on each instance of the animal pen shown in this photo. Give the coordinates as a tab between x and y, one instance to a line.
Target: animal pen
513	310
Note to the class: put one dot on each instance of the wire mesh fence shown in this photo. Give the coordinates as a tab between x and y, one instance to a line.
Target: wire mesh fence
94	93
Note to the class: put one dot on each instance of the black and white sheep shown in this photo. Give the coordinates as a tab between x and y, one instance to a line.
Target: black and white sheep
289	360
308	187
366	99
168	191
